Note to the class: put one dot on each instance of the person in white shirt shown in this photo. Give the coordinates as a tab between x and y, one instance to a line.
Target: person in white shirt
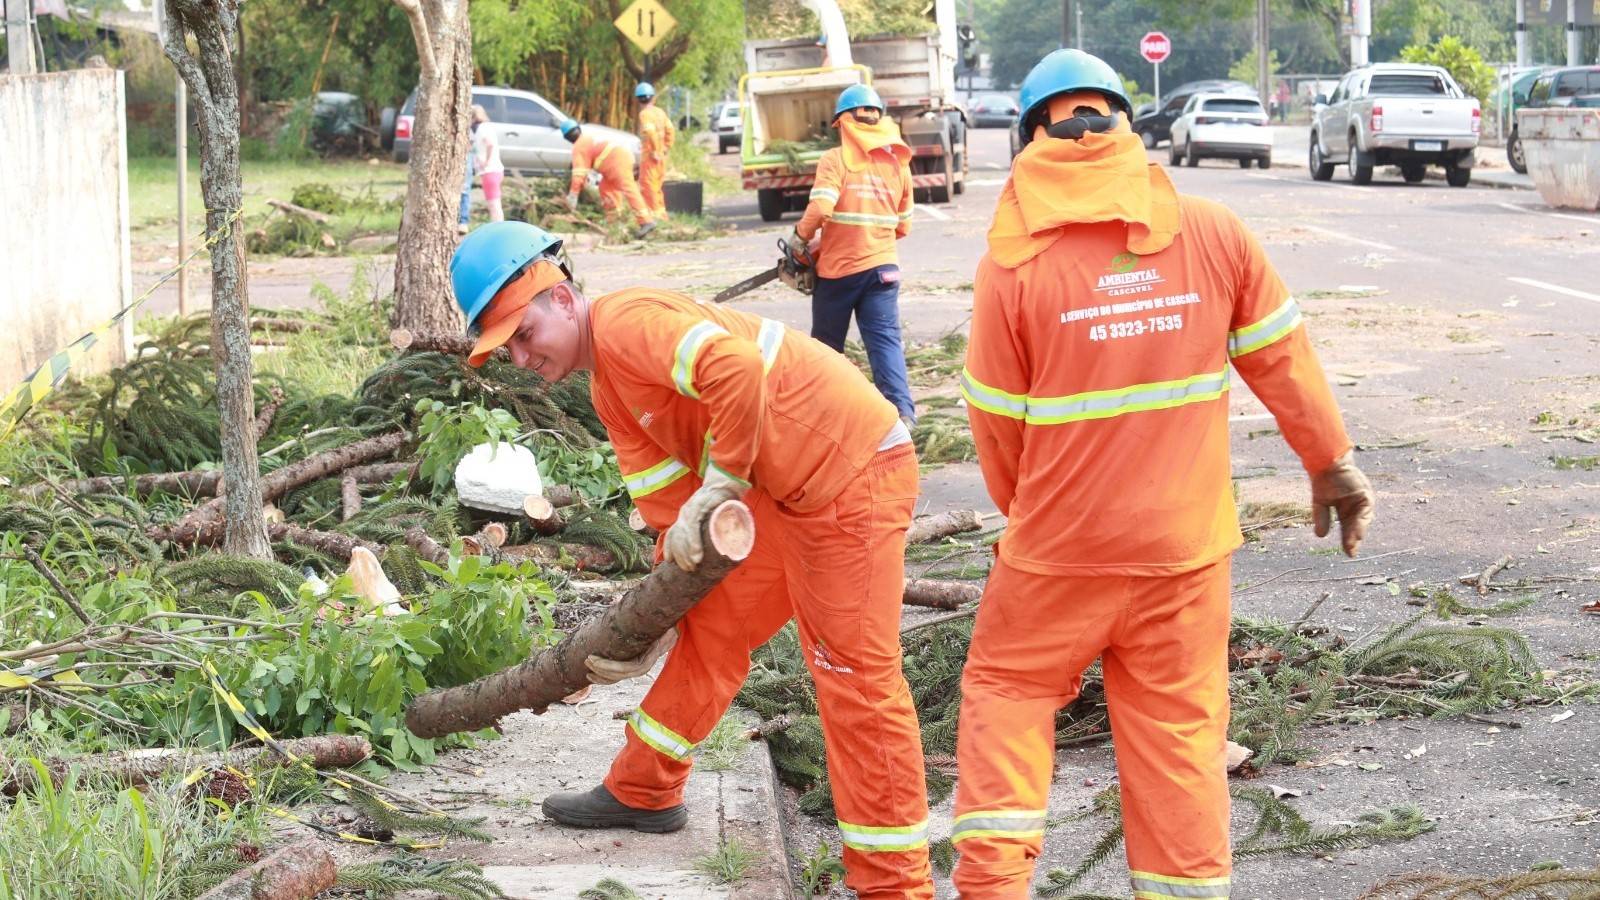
486	157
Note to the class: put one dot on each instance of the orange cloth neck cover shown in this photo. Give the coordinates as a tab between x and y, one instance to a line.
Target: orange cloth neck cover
1101	178
499	320
859	140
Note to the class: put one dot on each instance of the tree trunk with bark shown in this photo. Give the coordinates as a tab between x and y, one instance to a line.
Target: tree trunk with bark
297	872
215	90
940	594
931	528
136	768
624	631
443	40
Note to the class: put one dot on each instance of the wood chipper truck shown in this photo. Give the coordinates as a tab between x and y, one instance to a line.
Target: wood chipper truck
787	93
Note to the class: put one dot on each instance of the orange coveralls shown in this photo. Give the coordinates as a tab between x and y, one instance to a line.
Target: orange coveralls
615	165
861	213
656	135
1096	382
681	385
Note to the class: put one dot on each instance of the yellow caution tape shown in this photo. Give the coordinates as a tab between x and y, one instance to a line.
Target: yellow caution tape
53	371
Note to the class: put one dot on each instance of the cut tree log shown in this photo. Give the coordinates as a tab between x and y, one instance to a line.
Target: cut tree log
542	515
637	523
561	495
297	872
624	631
195	527
931	528
268	411
349	497
320	218
136	768
331	543
941	594
407	341
578	556
382	473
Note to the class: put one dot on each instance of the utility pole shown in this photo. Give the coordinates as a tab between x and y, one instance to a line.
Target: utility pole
1361	30
1263	49
19	36
1574	36
1522	33
1079	20
1066	22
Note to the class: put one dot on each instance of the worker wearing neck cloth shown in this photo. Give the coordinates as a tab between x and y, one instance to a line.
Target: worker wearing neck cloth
1108	316
705	404
861	205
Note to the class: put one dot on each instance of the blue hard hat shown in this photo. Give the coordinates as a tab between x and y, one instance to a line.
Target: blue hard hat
856	96
1062	72
568	126
491	256
644	91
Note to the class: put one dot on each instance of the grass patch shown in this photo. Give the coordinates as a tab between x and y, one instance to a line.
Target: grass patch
688	161
153	194
728	864
723	747
1261	515
1584	463
1340	294
608	889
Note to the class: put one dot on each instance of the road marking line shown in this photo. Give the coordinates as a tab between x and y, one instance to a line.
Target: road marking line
1587	220
1347	187
939	214
1351	238
1545	285
985	182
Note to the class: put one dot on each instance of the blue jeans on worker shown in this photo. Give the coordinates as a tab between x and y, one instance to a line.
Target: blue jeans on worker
466	192
873	297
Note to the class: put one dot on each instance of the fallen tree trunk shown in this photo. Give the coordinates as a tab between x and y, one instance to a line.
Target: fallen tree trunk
330	543
196	526
941	594
382	473
561	495
579	556
624	631
408	341
320	218
268	411
136	768
943	525
296	872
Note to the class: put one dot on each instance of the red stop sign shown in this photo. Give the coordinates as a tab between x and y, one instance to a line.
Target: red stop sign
1155	47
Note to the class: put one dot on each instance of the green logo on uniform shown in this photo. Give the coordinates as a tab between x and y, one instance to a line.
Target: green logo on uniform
1123	262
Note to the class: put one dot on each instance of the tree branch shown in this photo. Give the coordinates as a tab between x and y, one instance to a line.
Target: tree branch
419	33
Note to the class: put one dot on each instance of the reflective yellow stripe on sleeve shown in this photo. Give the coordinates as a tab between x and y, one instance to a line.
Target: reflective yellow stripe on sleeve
770	340
864	220
688	349
655	478
659	736
990	399
884	838
604	152
822	193
1269	329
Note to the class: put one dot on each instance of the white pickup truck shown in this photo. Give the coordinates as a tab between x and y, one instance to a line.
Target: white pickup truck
1395	114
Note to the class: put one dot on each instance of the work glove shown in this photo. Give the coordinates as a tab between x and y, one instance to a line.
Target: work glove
683	545
611	671
659	157
1343	489
572	201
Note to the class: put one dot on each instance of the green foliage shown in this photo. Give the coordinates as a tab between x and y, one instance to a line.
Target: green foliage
1567	463
390	819
85	840
724	746
790	19
1539	883
1246	69
608	889
1463	63
729	863
820	871
454	879
592	471
317	196
941	439
448	433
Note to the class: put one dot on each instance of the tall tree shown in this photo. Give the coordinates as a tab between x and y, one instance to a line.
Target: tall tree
443	36
215	92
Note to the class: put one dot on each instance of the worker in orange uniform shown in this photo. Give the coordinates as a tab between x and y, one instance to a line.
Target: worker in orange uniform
614	163
861	204
656	136
1106	314
705	404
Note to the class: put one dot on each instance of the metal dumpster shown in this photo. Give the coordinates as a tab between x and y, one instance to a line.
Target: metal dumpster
1562	147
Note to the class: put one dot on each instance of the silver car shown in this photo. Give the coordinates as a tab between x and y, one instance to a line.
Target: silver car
529	128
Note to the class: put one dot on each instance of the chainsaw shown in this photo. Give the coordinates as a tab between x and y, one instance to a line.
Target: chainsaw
795	268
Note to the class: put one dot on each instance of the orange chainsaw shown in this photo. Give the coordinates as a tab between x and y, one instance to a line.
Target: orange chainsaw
795	268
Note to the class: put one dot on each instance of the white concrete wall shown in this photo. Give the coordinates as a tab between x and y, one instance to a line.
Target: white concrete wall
64	261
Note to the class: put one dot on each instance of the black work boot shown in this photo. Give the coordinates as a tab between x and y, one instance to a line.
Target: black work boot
644	230
596	808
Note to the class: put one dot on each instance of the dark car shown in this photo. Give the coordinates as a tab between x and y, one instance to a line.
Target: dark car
1576	86
992	111
1152	122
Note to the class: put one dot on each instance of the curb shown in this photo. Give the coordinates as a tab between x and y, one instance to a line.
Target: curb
1478	182
757	820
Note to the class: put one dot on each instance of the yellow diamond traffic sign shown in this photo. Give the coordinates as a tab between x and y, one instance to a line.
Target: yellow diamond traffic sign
645	22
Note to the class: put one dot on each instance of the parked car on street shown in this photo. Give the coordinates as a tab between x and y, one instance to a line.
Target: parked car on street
1577	86
1226	126
527	125
1152	122
725	125
1395	114
992	111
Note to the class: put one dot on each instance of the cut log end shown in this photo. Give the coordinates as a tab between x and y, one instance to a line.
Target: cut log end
732	530
537	508
494	533
402	338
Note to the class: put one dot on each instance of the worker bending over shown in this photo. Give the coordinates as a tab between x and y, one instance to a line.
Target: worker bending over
1107	313
656	136
861	205
706	404
614	163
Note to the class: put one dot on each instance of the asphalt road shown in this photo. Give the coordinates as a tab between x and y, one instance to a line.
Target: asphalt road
1461	329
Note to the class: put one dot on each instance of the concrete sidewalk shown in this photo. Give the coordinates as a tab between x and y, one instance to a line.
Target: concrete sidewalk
1292	143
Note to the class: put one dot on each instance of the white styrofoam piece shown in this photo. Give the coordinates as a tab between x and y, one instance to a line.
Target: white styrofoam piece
497	477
